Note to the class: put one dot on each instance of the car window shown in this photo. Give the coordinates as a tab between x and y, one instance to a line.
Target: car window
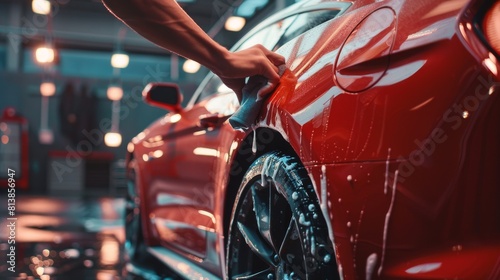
303	22
214	85
272	37
268	36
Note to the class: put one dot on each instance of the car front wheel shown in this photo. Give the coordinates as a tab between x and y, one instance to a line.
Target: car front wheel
277	228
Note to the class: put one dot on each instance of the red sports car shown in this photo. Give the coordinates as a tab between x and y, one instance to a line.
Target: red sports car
377	157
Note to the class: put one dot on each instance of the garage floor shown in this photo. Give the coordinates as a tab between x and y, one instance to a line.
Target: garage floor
69	238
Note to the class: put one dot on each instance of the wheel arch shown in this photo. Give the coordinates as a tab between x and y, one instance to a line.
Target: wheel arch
243	162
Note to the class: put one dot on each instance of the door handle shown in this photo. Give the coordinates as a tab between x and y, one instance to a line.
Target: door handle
212	120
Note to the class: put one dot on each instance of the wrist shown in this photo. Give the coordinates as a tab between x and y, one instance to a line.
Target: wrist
219	60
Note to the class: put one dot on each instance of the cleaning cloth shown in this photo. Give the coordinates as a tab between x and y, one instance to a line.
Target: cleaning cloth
250	107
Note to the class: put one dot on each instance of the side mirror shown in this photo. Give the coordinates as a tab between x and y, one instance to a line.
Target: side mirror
163	95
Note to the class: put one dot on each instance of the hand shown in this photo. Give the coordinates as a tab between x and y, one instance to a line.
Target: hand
256	60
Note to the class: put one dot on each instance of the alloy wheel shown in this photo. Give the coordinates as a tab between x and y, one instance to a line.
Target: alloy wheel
277	230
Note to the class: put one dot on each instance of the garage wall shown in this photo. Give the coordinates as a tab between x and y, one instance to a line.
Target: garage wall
85	35
21	91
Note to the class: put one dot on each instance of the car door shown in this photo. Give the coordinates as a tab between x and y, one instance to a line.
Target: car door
185	213
182	189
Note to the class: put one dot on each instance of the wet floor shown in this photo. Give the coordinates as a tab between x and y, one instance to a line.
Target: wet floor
68	238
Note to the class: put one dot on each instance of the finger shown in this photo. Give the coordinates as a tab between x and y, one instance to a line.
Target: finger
265	90
273	81
275	58
271	72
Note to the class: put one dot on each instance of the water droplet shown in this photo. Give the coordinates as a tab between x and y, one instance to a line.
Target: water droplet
371	261
348	224
270	276
311	207
465	114
340	200
295	195
303	221
349	178
327	258
254	142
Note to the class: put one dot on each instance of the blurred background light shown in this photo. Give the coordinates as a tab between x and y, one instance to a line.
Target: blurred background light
114	93
120	60
113	139
47	88
41	7
234	23
110	252
191	66
45	55
46	136
39	270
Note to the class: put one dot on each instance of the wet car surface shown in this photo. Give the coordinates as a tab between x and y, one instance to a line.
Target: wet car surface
376	157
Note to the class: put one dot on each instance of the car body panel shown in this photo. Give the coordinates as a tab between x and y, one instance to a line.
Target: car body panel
355	151
174	149
405	164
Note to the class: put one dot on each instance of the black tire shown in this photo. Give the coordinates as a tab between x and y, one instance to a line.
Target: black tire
135	249
277	228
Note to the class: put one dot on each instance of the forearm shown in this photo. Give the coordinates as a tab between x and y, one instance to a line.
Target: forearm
166	24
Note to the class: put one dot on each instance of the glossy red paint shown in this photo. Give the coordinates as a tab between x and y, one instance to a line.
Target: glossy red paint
393	108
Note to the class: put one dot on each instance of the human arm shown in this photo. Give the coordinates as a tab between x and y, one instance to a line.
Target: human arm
166	24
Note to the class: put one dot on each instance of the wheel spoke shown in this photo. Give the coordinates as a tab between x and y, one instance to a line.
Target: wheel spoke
256	276
280	214
290	250
256	243
261	201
